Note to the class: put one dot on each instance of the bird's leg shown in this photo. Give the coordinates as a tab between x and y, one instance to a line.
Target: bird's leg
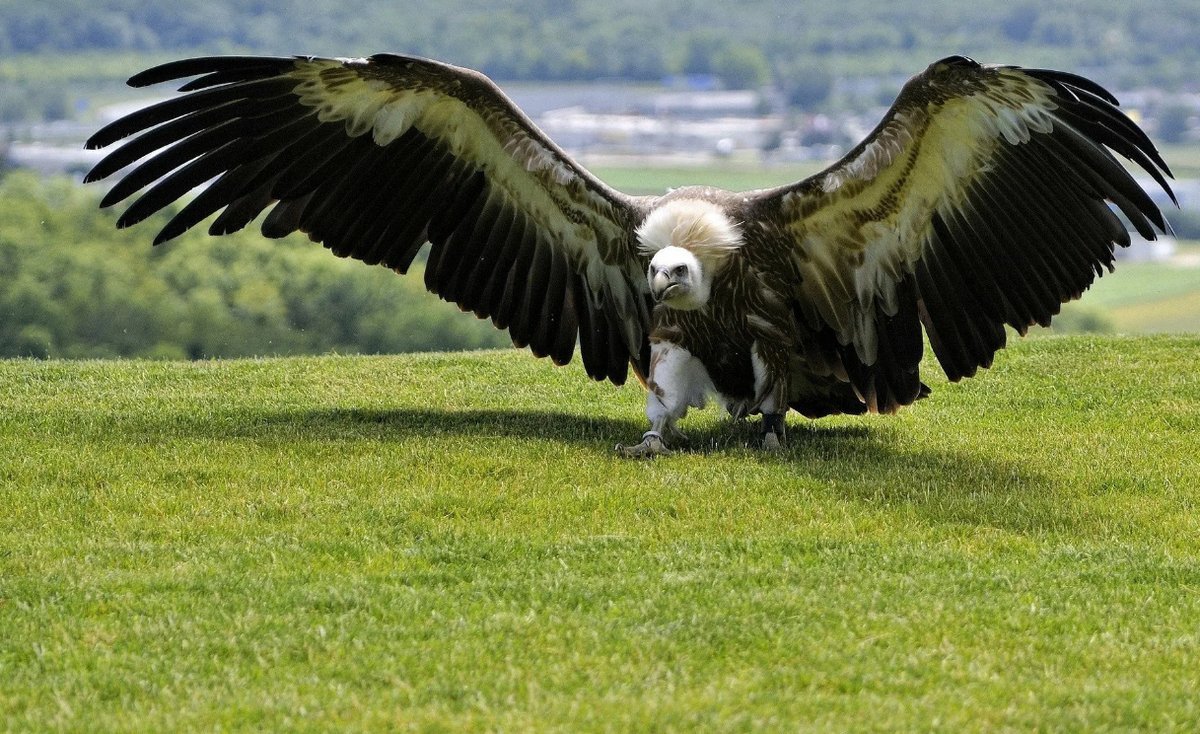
772	392
670	394
774	431
662	427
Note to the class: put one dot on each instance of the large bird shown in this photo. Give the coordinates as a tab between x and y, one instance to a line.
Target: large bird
982	199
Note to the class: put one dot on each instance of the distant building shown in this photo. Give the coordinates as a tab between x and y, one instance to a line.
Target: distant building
688	120
49	159
626	119
581	131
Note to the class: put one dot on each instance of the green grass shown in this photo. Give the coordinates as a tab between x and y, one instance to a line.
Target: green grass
1135	284
447	542
1184	159
1147	297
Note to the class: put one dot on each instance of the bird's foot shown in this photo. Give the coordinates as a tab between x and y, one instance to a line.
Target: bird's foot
652	445
771	442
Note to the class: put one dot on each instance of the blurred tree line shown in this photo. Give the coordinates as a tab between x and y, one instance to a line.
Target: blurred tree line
798	47
74	286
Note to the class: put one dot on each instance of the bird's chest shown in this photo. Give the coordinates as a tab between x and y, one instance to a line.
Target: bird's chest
723	344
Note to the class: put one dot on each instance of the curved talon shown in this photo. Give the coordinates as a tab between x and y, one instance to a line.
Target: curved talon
652	445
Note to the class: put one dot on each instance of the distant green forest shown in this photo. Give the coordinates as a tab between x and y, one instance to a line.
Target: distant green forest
74	286
800	47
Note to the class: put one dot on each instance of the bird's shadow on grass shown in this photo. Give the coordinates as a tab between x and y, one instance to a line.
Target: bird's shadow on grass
872	464
399	423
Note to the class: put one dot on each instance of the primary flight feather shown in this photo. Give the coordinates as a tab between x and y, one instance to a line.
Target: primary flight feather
982	199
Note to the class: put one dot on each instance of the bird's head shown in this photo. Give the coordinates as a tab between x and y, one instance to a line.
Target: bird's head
677	279
688	240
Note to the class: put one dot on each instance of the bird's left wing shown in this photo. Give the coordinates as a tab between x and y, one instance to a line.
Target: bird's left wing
373	158
980	200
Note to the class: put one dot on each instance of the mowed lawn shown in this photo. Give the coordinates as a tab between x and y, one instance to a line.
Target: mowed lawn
447	542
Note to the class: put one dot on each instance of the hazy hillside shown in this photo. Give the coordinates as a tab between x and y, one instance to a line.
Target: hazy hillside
542	39
799	46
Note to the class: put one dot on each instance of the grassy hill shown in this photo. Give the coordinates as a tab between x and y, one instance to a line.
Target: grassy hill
446	542
1149	297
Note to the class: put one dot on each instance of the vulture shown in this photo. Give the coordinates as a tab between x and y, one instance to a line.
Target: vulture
986	197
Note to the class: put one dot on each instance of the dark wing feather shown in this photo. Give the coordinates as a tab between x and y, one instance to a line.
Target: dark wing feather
979	201
374	157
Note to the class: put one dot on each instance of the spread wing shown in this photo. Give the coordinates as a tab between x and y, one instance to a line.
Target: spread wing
374	157
980	200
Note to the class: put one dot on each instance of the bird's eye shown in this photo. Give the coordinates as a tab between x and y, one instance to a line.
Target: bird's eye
679	270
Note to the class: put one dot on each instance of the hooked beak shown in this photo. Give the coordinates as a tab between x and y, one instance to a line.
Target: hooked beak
661	285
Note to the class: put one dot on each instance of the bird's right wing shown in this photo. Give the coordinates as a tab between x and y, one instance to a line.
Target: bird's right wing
374	157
